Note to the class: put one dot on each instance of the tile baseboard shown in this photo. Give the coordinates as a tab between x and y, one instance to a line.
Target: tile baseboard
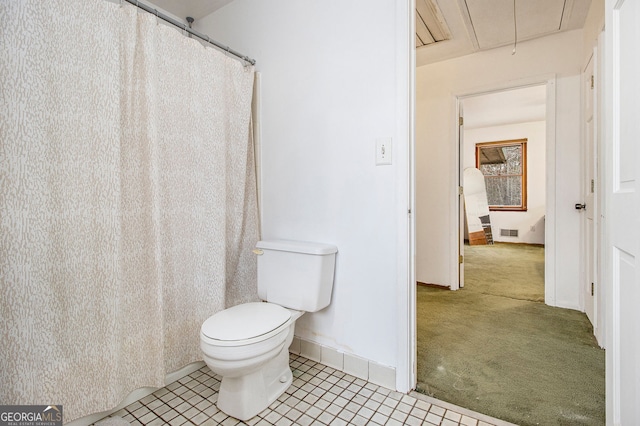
362	368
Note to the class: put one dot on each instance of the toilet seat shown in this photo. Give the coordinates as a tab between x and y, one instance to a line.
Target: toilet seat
245	324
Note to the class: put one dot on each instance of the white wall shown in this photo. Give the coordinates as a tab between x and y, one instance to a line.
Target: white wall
593	26
437	86
530	223
335	76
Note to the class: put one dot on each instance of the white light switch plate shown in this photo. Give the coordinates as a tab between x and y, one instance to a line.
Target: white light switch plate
383	151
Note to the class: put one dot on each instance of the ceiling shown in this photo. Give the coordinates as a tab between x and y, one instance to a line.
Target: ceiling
486	24
194	8
449	28
431	27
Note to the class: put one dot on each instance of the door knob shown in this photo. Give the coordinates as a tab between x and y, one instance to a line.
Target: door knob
581	206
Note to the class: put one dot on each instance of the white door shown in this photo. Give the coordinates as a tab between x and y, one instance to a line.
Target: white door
589	192
623	136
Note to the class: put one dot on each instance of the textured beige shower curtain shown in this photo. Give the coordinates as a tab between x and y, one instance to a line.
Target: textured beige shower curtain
127	200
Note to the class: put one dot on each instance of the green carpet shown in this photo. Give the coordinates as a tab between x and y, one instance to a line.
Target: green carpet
508	270
487	348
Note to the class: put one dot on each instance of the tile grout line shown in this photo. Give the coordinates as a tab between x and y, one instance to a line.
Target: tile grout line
318	395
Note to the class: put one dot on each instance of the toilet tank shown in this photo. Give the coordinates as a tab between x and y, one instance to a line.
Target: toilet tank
296	274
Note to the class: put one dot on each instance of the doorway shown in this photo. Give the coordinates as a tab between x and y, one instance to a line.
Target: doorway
493	354
512	123
544	226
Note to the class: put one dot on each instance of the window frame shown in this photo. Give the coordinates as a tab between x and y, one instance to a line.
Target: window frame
523	177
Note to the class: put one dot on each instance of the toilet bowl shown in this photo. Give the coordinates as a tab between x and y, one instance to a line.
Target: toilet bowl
248	344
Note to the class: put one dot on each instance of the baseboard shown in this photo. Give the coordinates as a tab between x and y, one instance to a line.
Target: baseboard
433	285
520	243
371	371
466	242
138	394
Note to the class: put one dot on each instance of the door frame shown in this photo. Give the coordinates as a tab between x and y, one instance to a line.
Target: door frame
407	343
550	185
621	241
598	207
588	266
601	188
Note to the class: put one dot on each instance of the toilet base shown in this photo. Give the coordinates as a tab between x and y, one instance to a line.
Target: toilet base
246	396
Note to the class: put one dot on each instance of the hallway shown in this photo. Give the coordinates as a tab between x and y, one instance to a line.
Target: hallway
495	348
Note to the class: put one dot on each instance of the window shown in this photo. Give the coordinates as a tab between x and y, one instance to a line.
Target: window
504	166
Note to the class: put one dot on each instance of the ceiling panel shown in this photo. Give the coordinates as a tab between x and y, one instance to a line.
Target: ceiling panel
493	20
431	26
422	33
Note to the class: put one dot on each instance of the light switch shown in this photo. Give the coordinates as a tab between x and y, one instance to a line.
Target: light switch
383	151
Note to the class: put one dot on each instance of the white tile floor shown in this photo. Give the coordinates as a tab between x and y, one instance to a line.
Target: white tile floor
319	395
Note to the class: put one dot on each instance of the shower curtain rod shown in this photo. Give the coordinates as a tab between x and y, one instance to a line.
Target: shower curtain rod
190	31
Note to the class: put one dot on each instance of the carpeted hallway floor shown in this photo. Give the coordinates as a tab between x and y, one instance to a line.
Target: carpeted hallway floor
495	348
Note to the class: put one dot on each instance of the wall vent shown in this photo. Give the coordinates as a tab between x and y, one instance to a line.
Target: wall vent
508	232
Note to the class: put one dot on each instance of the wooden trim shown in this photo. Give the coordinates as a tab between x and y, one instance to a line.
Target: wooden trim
523	142
507	209
519	243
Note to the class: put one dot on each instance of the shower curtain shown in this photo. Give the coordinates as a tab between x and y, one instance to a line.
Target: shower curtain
127	200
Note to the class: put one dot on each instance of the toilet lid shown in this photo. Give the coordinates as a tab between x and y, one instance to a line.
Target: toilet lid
246	321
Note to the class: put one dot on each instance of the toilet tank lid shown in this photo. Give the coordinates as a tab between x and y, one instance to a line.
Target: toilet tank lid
297	246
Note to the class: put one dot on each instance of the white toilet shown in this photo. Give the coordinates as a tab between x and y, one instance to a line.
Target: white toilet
248	344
